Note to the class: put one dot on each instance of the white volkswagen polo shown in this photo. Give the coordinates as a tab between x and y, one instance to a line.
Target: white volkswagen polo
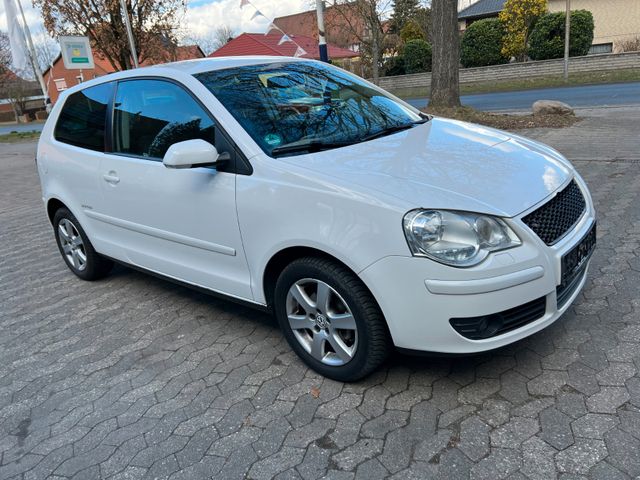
299	188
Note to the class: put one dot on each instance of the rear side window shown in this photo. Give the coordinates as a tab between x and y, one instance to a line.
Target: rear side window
152	115
83	118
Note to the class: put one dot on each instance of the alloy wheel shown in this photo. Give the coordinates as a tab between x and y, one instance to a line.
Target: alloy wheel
322	322
72	244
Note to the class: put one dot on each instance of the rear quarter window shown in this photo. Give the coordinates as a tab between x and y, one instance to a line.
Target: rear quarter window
82	120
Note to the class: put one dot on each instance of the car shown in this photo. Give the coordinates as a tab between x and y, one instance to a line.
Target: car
296	187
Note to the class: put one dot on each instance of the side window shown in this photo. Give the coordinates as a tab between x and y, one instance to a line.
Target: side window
152	115
83	118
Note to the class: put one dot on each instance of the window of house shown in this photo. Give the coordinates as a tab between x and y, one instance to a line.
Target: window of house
83	118
601	48
61	84
152	115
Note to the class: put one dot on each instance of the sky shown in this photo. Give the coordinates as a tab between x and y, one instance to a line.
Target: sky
202	16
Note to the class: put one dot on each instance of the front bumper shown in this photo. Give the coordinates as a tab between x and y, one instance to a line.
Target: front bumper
419	297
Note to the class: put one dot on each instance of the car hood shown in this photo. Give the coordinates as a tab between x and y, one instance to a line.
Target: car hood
448	164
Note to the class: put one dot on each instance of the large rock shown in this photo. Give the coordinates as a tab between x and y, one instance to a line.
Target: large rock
551	107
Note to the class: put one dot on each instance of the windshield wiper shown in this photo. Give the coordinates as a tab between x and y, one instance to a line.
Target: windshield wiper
393	129
310	147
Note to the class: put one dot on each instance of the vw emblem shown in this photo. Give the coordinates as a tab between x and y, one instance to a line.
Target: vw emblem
321	321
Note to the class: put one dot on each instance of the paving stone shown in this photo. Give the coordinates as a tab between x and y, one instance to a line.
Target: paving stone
501	463
581	456
607	400
513	433
556	428
537	460
362	450
593	425
474	438
624	451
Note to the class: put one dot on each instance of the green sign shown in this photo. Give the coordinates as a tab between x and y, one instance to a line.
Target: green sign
79	60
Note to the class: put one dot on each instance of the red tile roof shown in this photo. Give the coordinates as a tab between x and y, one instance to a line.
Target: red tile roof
260	44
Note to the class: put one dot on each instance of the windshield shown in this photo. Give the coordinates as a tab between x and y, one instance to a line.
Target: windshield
293	108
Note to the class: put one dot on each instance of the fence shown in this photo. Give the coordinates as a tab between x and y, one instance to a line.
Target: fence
511	71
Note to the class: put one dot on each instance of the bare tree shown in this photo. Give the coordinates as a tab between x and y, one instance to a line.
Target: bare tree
445	80
366	21
154	24
213	40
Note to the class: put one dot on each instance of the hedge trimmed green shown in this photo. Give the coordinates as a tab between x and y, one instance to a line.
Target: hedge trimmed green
547	38
482	44
417	56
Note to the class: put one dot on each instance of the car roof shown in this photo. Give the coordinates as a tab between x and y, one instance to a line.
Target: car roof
190	67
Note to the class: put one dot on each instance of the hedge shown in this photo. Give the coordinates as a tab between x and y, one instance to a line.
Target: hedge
482	44
547	38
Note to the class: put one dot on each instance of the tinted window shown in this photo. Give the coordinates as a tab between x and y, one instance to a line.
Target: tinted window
152	115
83	118
304	104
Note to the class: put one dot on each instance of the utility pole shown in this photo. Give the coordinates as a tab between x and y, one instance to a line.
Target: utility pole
33	56
567	37
322	43
127	23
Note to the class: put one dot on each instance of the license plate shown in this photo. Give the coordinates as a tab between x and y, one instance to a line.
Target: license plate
576	259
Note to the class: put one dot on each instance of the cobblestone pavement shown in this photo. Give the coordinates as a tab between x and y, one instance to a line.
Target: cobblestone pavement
133	377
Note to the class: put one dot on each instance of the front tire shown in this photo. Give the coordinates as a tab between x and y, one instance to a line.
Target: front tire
76	249
330	319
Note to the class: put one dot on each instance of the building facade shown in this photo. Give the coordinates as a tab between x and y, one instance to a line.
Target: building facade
616	21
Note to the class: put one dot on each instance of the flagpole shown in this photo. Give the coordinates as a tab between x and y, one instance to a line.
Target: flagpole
322	43
132	43
32	56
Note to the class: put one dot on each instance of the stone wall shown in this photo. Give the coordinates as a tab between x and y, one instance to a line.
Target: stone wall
512	71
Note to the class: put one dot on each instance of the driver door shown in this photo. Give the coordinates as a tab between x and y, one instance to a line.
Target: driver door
180	223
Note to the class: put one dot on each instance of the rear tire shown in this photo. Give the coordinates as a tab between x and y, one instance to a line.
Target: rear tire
330	319
76	249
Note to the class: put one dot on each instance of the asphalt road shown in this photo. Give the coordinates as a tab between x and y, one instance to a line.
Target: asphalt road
577	96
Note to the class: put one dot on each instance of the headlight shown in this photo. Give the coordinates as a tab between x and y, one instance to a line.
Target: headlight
460	239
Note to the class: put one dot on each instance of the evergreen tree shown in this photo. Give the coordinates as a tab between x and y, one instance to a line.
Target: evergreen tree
403	10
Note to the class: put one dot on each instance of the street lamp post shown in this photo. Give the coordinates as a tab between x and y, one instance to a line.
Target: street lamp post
567	37
127	23
322	43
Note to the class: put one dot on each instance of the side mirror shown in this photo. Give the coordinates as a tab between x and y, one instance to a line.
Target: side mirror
192	154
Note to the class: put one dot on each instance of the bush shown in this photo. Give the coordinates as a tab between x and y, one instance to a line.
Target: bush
417	56
412	31
547	38
629	45
394	66
482	44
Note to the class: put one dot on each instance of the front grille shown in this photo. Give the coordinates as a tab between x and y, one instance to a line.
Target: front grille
556	217
487	326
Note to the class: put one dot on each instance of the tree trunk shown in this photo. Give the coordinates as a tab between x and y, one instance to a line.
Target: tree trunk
375	58
445	82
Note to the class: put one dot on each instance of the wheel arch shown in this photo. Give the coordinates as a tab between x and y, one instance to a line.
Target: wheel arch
278	262
53	205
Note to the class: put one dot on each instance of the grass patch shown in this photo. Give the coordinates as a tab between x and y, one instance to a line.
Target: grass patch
504	121
14	137
585	78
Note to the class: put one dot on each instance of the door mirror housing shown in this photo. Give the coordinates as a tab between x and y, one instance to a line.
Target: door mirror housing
192	154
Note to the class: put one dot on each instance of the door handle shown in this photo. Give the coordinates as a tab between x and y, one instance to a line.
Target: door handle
111	178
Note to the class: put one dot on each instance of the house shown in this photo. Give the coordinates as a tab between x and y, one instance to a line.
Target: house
18	96
462	4
615	21
479	10
261	44
58	78
344	27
